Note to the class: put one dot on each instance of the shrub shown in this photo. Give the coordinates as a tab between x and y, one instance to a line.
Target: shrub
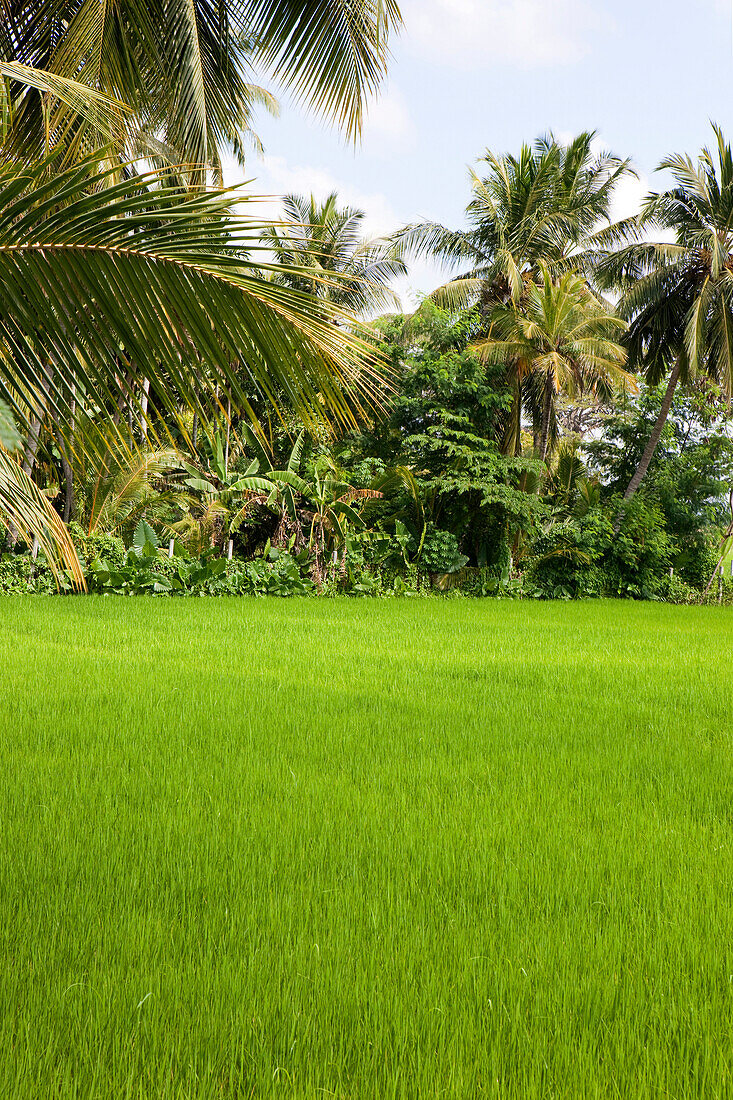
675	590
21	575
105	545
440	552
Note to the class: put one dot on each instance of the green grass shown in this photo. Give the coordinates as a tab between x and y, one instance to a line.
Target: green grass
365	849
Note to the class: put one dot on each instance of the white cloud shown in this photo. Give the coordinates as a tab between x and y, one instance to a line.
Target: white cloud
388	124
474	33
276	177
628	196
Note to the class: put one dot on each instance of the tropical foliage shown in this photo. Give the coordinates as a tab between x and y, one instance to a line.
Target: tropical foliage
194	400
132	290
678	296
172	80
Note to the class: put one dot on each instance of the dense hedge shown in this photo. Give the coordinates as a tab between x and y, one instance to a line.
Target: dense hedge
111	569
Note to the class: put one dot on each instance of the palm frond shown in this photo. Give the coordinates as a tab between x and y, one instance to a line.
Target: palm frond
96	278
331	54
25	509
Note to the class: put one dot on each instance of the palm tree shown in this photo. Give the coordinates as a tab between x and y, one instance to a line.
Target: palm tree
172	77
559	339
678	298
115	493
319	249
97	83
544	205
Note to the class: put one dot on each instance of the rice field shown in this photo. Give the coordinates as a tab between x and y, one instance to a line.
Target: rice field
363	849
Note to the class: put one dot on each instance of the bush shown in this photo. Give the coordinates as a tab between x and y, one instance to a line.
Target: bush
568	559
698	557
675	590
89	547
440	552
148	571
642	551
586	557
21	575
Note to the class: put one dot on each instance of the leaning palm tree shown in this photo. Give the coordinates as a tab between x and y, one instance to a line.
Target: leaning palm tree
678	298
319	249
173	77
544	205
558	340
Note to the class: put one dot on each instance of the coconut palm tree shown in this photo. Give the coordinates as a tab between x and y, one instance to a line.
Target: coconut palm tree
174	76
550	204
319	249
95	82
678	297
558	339
546	204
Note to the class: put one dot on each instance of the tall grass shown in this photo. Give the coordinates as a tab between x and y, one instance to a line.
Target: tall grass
363	849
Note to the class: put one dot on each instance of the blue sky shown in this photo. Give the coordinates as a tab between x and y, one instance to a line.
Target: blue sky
648	75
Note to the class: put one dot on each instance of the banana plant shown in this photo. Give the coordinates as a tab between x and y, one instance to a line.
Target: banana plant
283	489
331	508
323	502
221	497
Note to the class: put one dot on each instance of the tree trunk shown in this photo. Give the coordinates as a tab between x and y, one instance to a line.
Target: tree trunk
31	446
124	384
512	441
229	426
29	455
68	471
546	410
654	438
67	468
517	415
144	411
34	434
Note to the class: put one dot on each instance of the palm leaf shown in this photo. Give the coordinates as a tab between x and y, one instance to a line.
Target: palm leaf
95	275
332	54
24	509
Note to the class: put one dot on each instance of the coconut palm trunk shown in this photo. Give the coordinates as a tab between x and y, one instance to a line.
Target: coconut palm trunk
34	430
512	441
546	412
656	435
29	453
65	445
144	398
68	473
31	446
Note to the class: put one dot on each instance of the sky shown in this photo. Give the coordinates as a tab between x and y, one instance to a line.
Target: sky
467	75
